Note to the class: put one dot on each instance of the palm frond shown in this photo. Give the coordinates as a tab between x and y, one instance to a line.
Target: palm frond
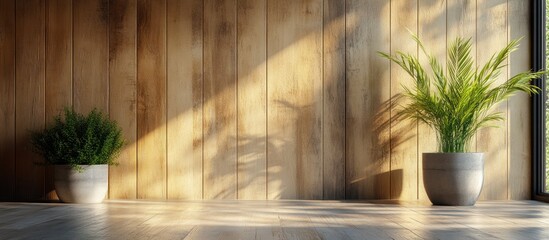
457	102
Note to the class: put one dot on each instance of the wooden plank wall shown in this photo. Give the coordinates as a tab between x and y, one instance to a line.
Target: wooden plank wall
123	94
492	21
404	155
252	99
58	68
184	94
220	149
7	100
294	83
368	83
519	166
151	99
29	95
334	99
248	99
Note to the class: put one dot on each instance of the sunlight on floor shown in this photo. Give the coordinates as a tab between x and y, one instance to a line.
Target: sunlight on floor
273	220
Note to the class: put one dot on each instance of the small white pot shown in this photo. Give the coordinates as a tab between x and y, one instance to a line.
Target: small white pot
88	186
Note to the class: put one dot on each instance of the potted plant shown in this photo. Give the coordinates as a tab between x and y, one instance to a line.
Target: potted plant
80	148
456	103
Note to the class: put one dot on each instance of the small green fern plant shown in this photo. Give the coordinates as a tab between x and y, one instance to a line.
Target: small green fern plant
79	140
457	102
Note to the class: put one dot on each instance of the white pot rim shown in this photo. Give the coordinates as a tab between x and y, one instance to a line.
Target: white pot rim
453	153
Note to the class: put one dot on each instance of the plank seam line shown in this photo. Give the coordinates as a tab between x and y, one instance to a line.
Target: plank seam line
108	86
45	20
236	93
15	153
323	77
136	104
507	132
390	95
136	56
202	91
345	101
166	96
417	123
267	99
72	56
14	191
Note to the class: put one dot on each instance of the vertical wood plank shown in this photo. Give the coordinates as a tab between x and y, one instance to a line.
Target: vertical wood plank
29	103
404	157
432	32
294	99
122	94
307	83
58	68
220	176
184	44
252	156
492	37
7	99
334	100
368	97
462	19
519	176
151	98
91	55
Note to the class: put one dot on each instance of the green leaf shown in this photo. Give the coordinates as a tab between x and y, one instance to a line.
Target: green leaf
79	139
457	102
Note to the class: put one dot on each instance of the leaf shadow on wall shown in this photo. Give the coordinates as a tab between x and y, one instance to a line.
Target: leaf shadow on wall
300	135
303	125
396	138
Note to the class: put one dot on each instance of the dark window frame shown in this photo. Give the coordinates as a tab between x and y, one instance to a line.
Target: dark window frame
538	102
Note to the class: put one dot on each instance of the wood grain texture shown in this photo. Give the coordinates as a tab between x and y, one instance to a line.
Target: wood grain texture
492	36
220	154
91	55
248	99
58	68
368	85
294	99
252	105
520	159
184	98
462	19
274	220
123	94
404	155
29	101
151	99
432	32
7	99
333	122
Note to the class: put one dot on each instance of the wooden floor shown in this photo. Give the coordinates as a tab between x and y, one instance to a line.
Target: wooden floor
273	220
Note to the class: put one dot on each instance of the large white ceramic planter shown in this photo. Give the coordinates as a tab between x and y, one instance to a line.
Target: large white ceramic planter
88	186
453	179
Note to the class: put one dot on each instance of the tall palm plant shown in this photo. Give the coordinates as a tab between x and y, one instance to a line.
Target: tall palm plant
457	102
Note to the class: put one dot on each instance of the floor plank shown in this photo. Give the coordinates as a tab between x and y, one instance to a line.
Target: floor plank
273	220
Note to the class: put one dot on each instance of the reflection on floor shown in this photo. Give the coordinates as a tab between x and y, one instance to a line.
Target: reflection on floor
273	220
